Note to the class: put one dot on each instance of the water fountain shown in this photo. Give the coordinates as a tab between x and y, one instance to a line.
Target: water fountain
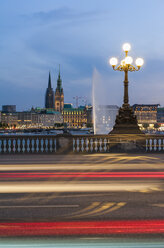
104	115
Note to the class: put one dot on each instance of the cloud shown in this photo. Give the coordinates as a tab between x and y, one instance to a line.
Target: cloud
57	16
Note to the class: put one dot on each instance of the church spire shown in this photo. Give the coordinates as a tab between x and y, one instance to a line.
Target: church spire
59	81
59	94
49	97
49	81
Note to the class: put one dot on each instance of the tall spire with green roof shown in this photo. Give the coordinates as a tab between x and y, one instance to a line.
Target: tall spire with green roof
59	81
59	94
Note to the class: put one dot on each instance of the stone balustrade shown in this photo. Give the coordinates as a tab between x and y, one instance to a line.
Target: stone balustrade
12	144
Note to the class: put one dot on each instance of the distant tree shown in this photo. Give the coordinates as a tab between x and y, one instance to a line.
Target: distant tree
156	125
89	125
145	125
58	125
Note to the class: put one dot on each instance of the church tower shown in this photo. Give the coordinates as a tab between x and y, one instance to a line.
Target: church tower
59	95
49	97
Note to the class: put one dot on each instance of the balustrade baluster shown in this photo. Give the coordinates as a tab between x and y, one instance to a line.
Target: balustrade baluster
48	144
98	145
30	145
2	146
102	145
16	145
93	144
87	144
159	144
35	145
7	146
22	142
12	145
105	141
146	145
150	144
74	145
53	145
155	144
21	145
80	145
39	145
84	144
25	145
44	144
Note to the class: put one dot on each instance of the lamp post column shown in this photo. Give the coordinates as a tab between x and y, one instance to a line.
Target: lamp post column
126	121
126	97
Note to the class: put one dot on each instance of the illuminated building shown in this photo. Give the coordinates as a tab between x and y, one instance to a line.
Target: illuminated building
160	119
160	115
59	95
30	119
10	119
74	117
146	114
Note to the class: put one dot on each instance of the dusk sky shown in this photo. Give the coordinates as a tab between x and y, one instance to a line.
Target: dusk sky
80	35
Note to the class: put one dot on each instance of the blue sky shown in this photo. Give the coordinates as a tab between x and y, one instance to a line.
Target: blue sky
80	35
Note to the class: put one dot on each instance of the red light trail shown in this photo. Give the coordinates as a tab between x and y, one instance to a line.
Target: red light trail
83	175
82	228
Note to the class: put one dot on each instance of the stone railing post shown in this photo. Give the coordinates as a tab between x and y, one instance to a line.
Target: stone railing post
64	143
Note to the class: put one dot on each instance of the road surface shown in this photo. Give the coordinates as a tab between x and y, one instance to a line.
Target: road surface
101	194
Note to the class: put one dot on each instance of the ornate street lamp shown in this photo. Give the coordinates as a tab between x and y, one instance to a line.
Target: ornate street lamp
126	122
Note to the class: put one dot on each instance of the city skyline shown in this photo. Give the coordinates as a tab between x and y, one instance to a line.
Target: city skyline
36	36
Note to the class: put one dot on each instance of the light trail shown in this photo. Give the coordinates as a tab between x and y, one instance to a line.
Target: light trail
82	228
83	175
78	186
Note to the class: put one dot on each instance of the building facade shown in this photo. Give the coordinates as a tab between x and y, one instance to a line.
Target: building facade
8	108
146	115
59	95
160	115
74	117
11	119
31	119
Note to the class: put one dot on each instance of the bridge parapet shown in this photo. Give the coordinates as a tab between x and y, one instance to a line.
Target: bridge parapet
64	144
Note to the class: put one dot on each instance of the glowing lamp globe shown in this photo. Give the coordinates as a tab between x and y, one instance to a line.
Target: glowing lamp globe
139	62
113	61
126	47
123	62
128	60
